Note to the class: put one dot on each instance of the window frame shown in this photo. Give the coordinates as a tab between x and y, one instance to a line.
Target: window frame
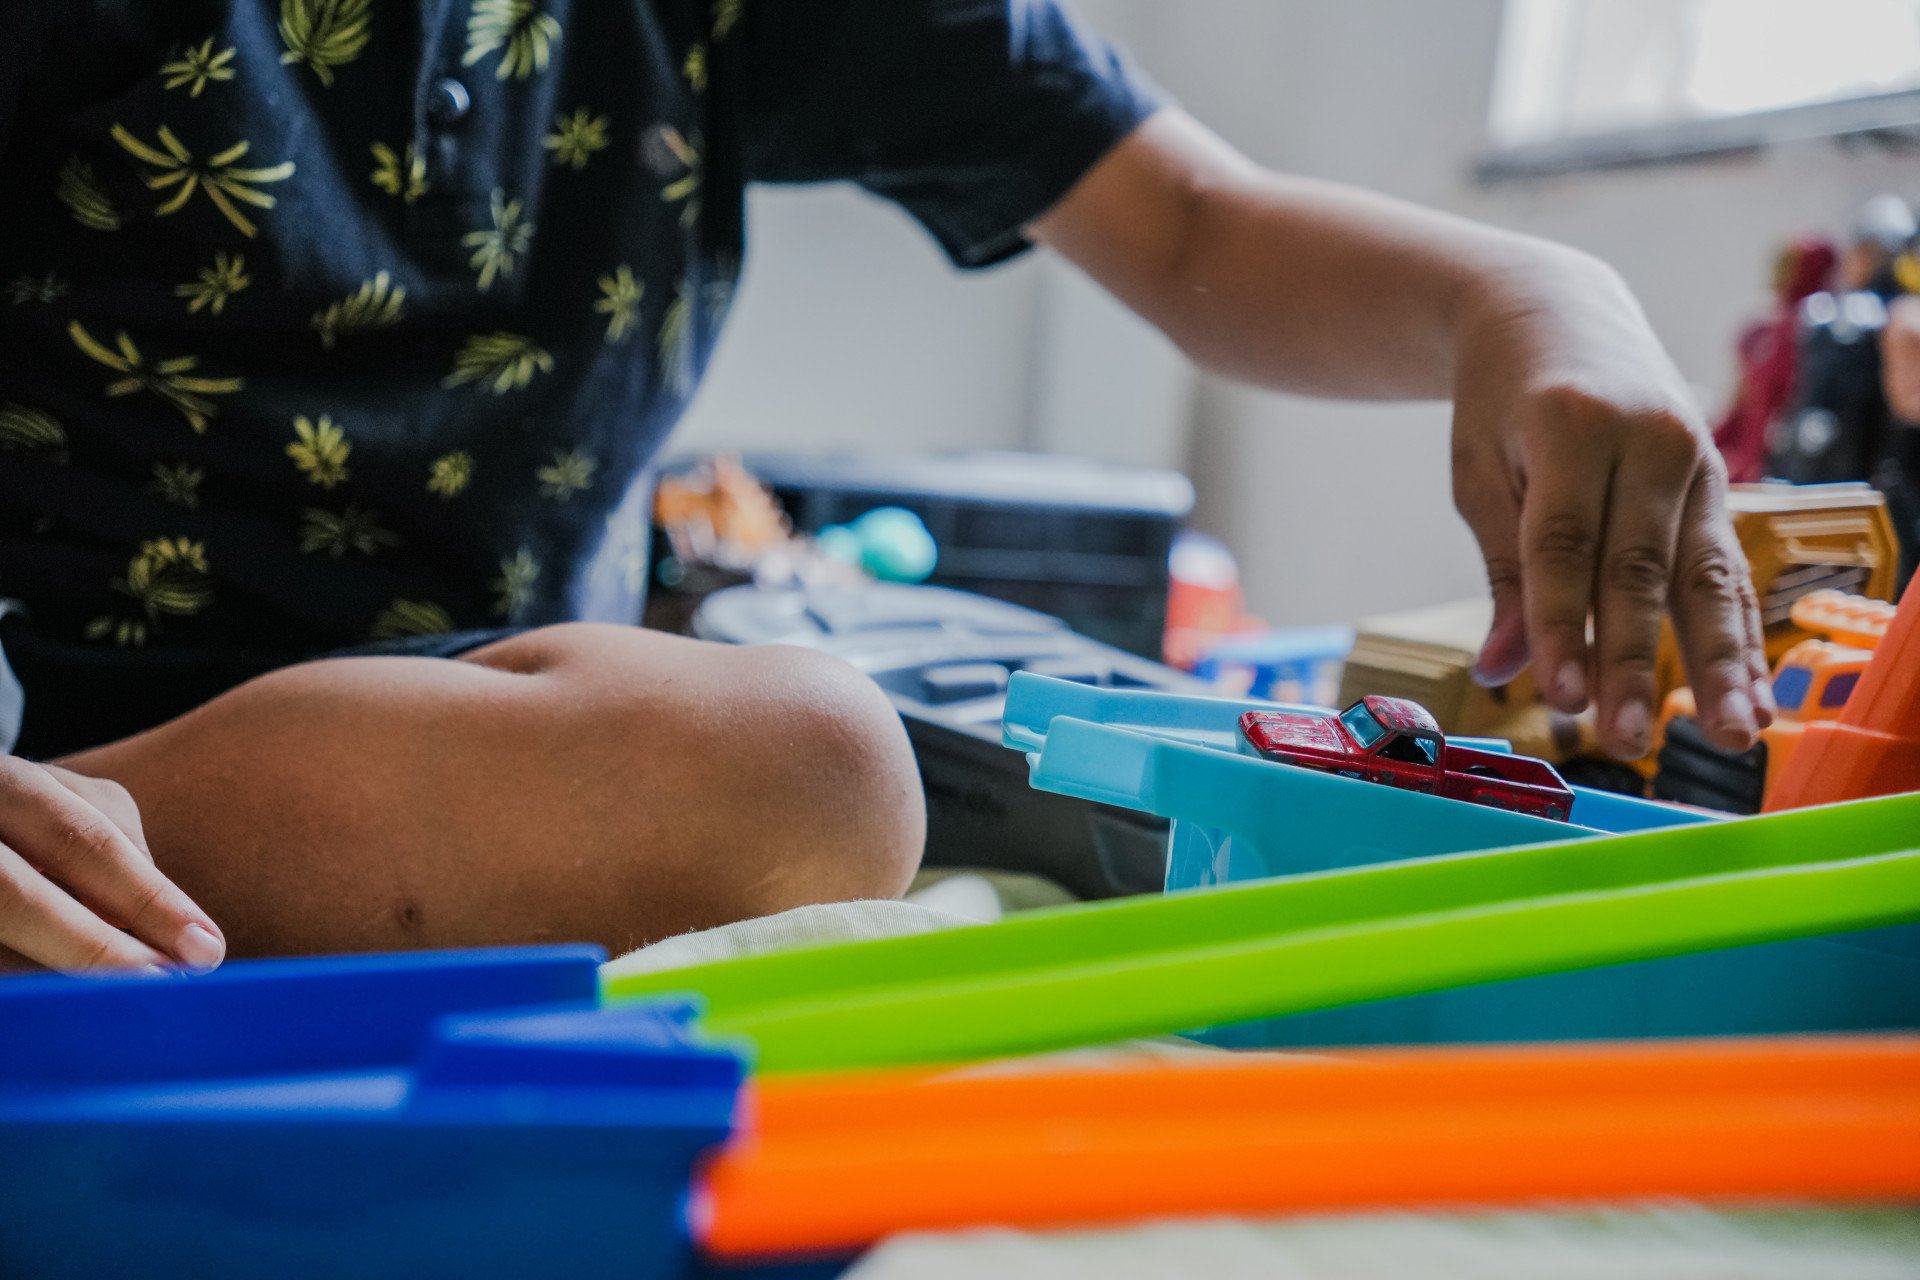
1891	119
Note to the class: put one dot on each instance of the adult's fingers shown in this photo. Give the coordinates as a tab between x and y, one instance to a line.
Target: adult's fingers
73	843
1651	483
1717	619
1562	521
42	924
1485	498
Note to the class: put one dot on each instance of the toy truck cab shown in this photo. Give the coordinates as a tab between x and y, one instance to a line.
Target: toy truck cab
1396	743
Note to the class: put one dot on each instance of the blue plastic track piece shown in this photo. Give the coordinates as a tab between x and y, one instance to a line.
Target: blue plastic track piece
468	1114
266	1017
1034	702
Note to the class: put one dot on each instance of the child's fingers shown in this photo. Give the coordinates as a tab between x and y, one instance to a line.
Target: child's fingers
67	840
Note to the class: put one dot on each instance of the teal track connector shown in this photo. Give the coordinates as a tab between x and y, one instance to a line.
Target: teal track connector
1101	972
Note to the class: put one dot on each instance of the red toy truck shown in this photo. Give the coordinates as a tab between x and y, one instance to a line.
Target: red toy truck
1396	743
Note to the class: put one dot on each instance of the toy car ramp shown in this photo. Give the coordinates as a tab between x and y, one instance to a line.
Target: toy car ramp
1239	817
1096	973
830	1165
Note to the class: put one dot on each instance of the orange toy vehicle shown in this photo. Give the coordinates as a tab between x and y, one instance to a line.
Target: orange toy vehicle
1811	683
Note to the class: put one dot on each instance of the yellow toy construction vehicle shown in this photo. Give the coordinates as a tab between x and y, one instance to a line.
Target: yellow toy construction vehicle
1811	683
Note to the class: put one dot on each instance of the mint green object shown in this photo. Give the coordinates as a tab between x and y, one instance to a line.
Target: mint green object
1097	973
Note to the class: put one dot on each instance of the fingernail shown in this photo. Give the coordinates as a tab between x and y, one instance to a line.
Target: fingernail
1630	726
1736	713
1571	684
1763	699
199	950
154	971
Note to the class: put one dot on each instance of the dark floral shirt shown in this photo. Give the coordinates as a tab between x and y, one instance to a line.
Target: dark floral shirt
330	320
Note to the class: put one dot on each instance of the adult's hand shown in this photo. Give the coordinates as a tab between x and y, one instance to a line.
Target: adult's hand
1593	487
79	891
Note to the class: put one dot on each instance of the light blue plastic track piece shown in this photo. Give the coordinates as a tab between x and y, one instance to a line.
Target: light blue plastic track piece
1237	816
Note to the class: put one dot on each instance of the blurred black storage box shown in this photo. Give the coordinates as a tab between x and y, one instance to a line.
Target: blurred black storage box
1084	541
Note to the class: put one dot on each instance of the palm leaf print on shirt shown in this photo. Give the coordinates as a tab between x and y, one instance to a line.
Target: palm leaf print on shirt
46	289
400	173
29	430
168	577
496	249
513	589
376	304
449	474
218	176
320	450
80	192
726	13
197	67
675	341
671	156
323	34
619	302
576	137
570	472
338	532
177	482
171	380
405	618
226	277
500	362
520	27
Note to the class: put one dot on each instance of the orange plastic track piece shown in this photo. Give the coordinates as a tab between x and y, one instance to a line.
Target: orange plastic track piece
1873	749
829	1165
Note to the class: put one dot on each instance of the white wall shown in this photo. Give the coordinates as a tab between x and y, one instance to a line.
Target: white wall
1392	95
852	330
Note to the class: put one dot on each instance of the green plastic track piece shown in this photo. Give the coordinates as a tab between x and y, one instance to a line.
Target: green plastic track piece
1096	973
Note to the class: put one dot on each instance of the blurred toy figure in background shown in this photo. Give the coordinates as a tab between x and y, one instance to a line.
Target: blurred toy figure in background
1856	413
1769	352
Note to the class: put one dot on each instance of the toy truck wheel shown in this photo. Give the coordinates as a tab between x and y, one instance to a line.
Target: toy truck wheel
1694	771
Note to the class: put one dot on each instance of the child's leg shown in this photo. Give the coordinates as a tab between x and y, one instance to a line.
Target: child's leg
579	782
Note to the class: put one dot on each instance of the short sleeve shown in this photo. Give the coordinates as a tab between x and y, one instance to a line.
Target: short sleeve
976	116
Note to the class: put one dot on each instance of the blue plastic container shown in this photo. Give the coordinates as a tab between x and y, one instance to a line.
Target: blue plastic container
1285	664
467	1115
1239	817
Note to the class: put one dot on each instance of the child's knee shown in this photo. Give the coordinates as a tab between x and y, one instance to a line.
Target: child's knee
825	774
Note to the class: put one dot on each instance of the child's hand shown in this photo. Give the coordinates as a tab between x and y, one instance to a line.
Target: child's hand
1592	485
78	888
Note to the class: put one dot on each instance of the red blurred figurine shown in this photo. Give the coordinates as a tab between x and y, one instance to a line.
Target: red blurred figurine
1769	359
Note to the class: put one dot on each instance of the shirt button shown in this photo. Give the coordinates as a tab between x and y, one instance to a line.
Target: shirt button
448	103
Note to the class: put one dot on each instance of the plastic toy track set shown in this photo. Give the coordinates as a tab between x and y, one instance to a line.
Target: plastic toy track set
486	1115
435	1116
